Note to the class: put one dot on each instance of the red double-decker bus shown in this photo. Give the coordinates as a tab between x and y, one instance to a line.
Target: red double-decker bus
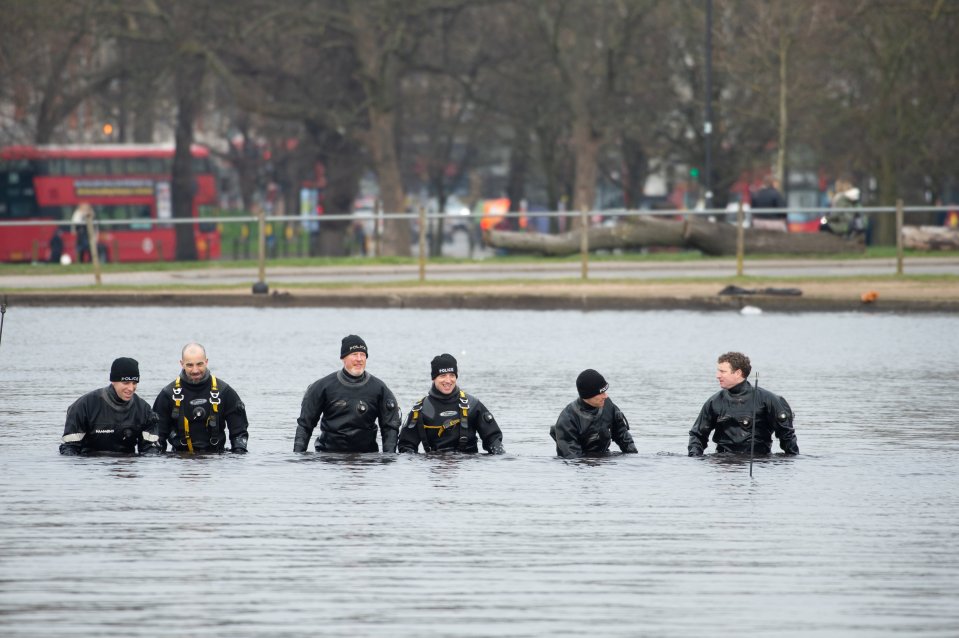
119	181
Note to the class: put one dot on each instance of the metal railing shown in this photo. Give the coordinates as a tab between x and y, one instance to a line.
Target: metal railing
274	245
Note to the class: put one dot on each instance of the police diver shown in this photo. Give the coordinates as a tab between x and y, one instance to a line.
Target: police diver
448	419
113	418
197	408
348	404
588	425
730	412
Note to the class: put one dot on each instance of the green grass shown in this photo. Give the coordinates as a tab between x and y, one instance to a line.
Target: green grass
468	284
668	257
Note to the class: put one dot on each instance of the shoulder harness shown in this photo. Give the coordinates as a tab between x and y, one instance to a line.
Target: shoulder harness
463	422
214	402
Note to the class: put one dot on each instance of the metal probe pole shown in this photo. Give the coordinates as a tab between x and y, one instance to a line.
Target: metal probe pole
752	439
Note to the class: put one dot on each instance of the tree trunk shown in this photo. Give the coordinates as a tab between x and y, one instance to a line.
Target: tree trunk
708	238
396	232
343	169
586	153
720	239
638	233
784	46
930	238
189	77
518	169
378	80
636	169
884	225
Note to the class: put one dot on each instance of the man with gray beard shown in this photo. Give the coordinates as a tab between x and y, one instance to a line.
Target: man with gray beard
348	405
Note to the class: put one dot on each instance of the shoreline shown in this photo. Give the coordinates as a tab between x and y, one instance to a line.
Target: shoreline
818	296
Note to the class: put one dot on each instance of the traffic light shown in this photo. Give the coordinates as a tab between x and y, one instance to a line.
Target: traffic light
694	173
107	129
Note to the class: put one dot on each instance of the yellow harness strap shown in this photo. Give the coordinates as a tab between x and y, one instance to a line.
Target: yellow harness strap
178	396
214	395
442	428
464	411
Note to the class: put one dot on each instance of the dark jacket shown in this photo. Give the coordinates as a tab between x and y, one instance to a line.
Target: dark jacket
768	197
348	409
582	430
438	425
100	421
206	426
730	414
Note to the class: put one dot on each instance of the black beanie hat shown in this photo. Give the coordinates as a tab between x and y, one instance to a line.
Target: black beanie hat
589	383
352	343
125	369
441	364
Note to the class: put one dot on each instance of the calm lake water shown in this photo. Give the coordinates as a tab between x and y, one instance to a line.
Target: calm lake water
856	537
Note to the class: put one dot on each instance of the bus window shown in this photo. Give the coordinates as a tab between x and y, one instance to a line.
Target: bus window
72	167
95	166
56	167
137	166
141	212
17	194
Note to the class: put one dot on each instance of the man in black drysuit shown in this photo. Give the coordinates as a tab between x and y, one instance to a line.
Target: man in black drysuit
112	419
348	404
589	424
729	414
448	419
197	408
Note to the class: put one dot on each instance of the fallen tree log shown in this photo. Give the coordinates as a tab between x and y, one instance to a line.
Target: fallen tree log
638	233
930	238
719	239
708	237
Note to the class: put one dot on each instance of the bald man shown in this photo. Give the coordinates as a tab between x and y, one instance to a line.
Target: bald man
196	409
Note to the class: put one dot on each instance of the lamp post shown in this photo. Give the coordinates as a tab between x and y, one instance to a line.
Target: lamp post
708	118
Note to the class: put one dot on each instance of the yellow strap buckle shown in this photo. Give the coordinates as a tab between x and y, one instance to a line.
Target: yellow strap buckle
186	433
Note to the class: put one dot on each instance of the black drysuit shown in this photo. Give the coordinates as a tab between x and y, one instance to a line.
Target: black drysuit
207	427
729	415
100	421
348	409
438	425
582	430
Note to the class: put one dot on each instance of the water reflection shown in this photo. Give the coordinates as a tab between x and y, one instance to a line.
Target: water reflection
349	461
854	537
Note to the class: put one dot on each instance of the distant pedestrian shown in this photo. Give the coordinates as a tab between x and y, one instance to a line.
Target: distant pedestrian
844	219
56	247
79	219
769	196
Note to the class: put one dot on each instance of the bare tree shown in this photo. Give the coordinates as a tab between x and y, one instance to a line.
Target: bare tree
589	44
891	95
53	59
